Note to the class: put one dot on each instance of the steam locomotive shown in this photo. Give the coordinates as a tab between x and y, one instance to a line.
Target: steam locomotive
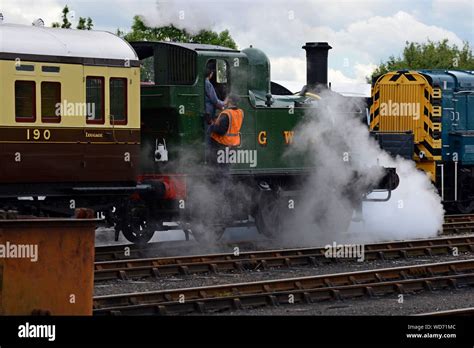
79	129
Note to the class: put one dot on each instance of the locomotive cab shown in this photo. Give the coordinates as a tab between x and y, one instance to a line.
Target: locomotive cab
173	102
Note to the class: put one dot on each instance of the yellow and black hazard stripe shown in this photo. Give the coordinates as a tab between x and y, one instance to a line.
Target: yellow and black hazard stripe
404	87
431	145
396	76
375	108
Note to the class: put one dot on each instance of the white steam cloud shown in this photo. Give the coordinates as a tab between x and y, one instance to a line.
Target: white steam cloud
414	210
347	162
191	16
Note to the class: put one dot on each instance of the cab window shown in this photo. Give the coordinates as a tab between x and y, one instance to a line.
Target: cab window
221	71
220	79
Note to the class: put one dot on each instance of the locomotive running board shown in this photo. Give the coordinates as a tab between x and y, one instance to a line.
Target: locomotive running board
121	188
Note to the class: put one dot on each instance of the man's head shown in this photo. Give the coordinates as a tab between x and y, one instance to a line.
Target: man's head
209	73
232	100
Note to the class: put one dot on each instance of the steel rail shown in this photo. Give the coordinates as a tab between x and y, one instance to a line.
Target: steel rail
132	251
456	227
450	312
397	280
458	218
454	224
225	262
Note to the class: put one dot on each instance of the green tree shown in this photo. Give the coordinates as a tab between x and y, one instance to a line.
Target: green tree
89	23
429	55
83	23
120	32
141	32
66	24
210	37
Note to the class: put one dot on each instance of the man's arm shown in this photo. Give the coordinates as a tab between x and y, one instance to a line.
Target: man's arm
221	126
211	94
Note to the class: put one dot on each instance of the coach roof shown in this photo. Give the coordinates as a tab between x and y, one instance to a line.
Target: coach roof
91	45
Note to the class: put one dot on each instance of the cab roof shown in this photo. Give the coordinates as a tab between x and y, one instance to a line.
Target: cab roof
145	48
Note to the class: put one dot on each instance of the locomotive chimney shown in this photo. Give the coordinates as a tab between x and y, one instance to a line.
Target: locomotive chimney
316	64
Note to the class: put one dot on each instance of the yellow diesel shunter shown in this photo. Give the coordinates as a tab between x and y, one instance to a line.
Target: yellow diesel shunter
428	116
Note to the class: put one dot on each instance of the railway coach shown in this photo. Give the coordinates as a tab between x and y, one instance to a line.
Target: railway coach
70	107
69	118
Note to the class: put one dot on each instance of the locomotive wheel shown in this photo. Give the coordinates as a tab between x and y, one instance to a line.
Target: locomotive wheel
138	232
465	207
269	217
134	226
207	221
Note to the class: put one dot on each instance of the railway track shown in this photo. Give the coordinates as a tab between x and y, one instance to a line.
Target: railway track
458	228
459	218
451	312
378	282
225	262
458	223
131	251
454	224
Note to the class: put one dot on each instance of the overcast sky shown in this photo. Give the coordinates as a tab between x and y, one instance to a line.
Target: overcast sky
361	32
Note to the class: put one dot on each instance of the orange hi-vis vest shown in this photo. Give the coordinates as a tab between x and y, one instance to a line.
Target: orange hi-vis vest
232	137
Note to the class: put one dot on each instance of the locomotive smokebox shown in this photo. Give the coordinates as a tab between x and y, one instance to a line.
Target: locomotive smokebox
316	64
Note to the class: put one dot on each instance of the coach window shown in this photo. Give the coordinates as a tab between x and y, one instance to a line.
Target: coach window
118	101
50	69
25	101
50	102
23	67
95	99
